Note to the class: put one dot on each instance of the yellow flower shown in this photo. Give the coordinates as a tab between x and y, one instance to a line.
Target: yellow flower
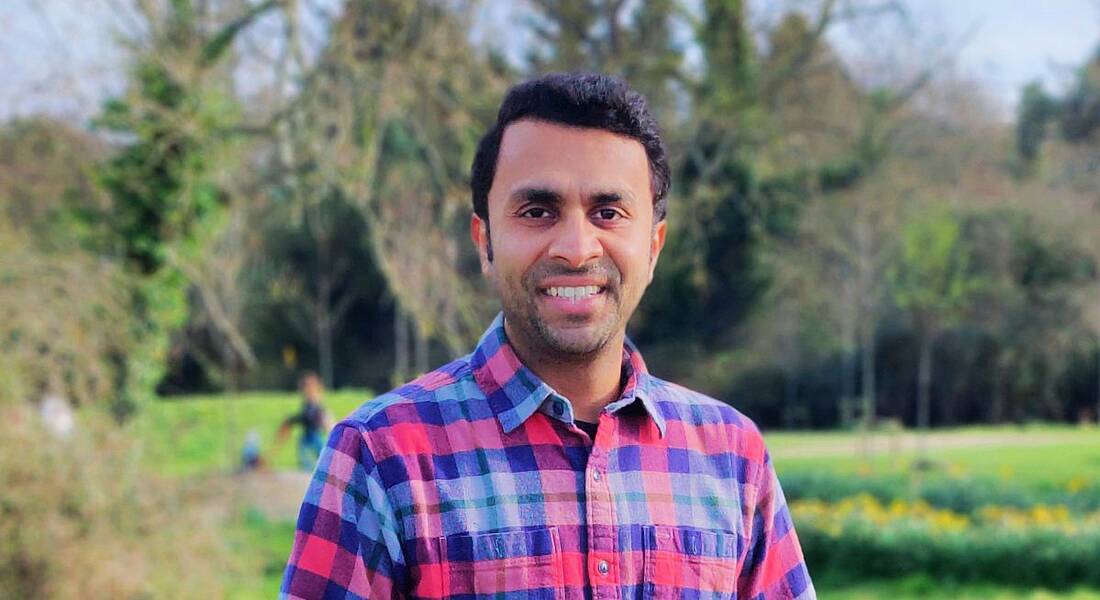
956	470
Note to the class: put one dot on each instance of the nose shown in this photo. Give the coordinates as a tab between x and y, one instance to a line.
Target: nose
577	242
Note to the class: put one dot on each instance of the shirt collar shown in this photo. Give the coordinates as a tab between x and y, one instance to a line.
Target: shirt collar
514	392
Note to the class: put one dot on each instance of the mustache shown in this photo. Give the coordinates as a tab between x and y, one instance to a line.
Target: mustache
603	270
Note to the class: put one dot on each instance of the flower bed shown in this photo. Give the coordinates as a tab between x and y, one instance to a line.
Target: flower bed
862	536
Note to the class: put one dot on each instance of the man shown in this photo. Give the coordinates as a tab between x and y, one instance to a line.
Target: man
549	463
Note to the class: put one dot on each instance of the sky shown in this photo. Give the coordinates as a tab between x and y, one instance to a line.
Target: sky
61	56
1001	44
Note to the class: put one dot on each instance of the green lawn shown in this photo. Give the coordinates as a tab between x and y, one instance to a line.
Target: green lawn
270	542
205	434
1041	455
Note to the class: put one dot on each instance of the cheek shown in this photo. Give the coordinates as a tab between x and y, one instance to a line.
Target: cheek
635	263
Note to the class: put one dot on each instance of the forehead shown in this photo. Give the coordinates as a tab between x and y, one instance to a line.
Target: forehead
541	153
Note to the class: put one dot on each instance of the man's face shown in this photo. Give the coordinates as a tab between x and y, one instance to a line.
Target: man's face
572	232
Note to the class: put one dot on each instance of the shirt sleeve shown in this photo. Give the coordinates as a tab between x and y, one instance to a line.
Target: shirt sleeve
774	568
347	543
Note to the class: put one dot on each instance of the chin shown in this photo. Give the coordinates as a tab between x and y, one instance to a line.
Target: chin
579	341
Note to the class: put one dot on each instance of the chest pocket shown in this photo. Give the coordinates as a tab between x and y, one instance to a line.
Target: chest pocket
682	562
504	565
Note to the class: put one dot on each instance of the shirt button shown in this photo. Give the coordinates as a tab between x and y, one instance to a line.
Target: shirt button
596	475
603	567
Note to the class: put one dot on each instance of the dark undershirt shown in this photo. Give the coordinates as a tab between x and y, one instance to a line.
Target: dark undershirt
589	428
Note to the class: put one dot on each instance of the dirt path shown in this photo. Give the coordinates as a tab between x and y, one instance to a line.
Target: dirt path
276	494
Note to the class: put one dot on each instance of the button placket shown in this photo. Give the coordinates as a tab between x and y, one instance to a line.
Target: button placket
601	517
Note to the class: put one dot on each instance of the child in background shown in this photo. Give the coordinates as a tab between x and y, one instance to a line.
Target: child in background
313	420
251	459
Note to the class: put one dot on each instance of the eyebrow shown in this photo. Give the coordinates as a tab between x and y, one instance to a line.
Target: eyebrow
538	194
546	195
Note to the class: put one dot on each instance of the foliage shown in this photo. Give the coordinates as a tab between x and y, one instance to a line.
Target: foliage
166	200
931	277
1035	112
64	323
271	165
68	533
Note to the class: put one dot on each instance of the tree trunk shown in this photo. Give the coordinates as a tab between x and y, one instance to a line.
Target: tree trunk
400	346
924	388
324	349
867	375
867	403
848	366
997	410
790	395
324	329
420	349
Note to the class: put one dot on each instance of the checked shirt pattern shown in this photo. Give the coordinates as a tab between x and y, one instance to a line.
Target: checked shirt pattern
473	482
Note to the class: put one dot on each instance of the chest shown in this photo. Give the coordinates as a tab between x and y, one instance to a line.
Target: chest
547	512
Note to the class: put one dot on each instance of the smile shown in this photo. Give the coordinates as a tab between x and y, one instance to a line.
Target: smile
573	293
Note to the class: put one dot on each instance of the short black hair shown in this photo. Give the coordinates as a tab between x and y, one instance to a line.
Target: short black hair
580	100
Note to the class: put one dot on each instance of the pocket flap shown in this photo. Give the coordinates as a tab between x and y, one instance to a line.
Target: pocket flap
692	542
523	543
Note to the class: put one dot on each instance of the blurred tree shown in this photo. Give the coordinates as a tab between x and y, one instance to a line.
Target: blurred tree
636	41
1080	114
933	281
167	200
46	178
567	36
1035	110
389	118
63	326
841	253
318	267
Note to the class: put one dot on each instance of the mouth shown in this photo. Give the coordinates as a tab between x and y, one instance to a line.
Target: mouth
573	293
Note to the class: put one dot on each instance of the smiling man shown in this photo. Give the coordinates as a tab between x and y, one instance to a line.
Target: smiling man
549	463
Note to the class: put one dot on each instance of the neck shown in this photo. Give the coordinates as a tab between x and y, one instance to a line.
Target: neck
589	381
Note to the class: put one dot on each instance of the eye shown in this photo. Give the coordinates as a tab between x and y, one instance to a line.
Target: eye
608	214
535	212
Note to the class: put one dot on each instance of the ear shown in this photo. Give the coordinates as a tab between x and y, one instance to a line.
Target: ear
656	244
479	233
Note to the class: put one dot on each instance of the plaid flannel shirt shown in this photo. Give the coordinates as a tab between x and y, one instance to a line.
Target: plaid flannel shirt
473	482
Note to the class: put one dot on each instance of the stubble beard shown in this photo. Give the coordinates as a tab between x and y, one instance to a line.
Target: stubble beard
520	302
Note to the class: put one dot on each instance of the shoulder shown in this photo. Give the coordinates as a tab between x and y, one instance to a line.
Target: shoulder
698	415
413	401
409	419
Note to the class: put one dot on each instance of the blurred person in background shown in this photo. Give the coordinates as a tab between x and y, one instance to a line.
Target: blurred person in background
313	419
549	461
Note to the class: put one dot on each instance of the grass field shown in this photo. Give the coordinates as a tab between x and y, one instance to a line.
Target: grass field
1031	454
205	434
201	436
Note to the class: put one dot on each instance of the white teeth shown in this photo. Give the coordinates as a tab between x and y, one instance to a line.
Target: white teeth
573	293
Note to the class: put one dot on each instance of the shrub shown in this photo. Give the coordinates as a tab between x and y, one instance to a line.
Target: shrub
82	518
1038	546
961	494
